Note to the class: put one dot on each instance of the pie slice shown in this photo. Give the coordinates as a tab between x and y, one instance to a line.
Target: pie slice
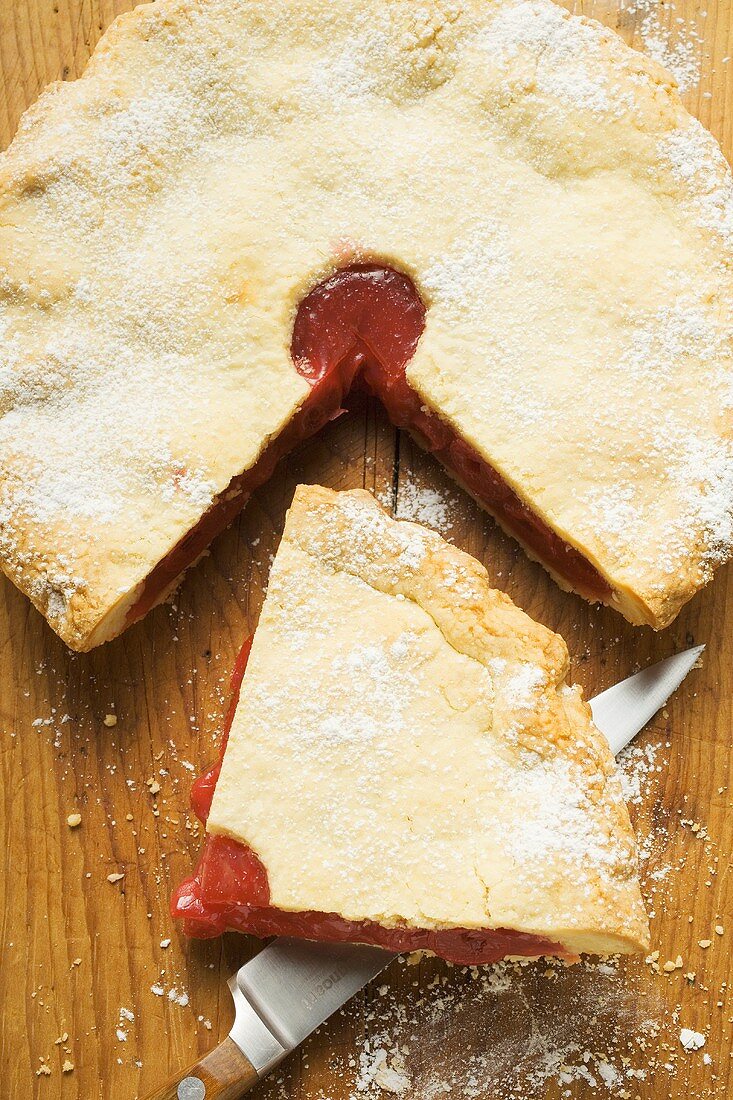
495	215
405	763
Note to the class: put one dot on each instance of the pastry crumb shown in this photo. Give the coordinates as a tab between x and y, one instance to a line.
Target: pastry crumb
110	719
691	1040
73	820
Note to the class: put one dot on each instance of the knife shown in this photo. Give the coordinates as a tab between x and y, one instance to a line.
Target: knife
292	986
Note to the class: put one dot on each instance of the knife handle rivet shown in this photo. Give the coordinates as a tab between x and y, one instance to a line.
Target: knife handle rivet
191	1088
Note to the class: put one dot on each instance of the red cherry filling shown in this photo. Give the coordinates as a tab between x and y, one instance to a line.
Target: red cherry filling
230	891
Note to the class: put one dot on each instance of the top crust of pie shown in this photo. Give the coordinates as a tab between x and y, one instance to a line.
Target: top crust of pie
567	223
406	750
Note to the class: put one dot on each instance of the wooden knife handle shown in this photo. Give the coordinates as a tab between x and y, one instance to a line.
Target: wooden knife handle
223	1074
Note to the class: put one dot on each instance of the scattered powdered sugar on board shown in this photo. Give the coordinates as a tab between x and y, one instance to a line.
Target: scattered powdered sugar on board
640	766
381	1068
179	997
691	1040
496	1031
637	765
424	504
677	47
175	996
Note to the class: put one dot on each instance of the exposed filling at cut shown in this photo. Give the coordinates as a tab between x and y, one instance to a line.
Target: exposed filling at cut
374	313
364	322
322	404
230	891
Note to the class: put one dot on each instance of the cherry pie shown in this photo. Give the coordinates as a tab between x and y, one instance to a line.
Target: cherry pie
494	215
406	765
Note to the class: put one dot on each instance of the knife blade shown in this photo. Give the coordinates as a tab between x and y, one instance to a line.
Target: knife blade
292	986
623	710
293	989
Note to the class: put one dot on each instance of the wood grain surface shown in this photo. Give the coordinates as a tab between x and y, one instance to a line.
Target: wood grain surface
101	996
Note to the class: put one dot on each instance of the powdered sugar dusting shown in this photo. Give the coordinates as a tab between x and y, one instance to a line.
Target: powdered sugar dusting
523	684
676	45
461	279
695	160
565	50
705	468
558	821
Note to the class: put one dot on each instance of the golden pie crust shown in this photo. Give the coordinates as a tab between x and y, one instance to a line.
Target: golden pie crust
566	222
406	749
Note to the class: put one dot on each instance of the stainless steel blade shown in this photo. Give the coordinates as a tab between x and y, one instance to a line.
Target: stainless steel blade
290	988
624	709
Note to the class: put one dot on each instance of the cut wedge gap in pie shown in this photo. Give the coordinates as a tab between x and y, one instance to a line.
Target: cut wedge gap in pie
405	764
494	214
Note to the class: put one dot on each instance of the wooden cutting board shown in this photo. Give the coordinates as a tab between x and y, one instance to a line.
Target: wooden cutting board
100	994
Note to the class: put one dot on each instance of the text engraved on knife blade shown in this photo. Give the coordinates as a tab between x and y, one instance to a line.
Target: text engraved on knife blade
331	980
